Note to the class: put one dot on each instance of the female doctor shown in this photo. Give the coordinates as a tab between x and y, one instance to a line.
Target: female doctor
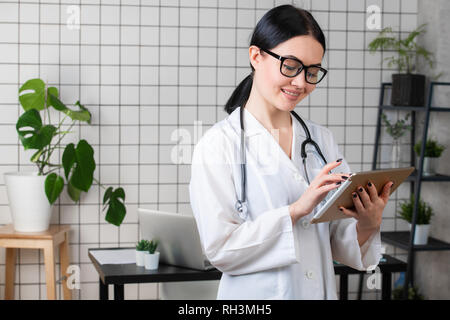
253	194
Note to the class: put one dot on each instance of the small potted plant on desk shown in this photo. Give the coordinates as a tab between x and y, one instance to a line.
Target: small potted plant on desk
141	250
424	213
152	256
408	89
433	151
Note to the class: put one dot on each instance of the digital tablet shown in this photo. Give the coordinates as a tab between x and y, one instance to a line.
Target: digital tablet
343	195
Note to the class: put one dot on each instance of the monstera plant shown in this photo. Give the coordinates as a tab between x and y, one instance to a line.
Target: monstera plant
45	137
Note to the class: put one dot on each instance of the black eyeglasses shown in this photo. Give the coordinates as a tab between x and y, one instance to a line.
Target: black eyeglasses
291	67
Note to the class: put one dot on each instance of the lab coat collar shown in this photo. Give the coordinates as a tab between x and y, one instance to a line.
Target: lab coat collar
253	127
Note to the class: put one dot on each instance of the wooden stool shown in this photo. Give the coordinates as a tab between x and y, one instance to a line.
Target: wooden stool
46	240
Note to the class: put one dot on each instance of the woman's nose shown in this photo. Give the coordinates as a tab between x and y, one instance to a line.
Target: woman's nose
299	80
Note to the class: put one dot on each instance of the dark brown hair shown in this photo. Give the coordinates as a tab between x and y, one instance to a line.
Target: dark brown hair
276	26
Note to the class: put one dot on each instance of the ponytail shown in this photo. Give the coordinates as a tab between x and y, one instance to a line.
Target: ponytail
240	95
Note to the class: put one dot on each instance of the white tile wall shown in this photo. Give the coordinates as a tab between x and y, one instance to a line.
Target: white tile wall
145	71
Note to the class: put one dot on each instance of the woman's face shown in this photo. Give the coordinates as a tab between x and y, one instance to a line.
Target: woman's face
279	91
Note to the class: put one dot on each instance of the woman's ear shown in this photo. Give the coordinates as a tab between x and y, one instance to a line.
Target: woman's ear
254	54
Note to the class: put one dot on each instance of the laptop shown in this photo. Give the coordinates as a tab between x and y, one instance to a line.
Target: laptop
179	241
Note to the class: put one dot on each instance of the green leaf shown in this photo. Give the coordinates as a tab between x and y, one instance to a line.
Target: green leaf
51	91
116	211
119	193
83	174
31	132
54	185
73	192
82	107
81	159
68	159
33	100
82	115
107	195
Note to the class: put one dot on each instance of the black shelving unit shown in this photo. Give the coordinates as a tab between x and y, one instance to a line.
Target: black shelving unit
405	239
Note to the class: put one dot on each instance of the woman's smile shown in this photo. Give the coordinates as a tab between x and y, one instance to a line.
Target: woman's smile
290	94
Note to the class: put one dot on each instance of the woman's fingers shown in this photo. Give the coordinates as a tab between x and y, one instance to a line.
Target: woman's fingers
330	166
334	178
357	202
373	193
386	191
328	187
364	196
325	176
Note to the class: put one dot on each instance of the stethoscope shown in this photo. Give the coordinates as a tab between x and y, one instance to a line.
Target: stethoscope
241	205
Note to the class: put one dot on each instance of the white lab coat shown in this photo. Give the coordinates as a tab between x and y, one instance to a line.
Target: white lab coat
265	256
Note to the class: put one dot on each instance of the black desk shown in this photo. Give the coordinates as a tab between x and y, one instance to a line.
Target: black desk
120	274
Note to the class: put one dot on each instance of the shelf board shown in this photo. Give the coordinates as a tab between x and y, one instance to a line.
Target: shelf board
415	108
401	239
436	177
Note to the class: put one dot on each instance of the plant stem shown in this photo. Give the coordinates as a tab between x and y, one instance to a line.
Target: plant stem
98	182
51	164
55	169
46	107
52	148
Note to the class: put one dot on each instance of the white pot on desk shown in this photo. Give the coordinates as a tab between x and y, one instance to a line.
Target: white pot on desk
140	258
151	260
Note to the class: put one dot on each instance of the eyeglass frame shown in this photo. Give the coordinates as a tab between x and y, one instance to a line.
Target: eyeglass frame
304	67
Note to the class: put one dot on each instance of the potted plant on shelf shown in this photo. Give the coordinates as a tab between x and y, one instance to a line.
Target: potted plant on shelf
141	250
32	194
152	256
424	213
413	293
433	151
408	89
396	131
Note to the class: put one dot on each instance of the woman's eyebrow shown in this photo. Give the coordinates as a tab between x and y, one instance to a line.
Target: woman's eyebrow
294	57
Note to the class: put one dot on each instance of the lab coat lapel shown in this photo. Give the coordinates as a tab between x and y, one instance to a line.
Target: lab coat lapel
255	128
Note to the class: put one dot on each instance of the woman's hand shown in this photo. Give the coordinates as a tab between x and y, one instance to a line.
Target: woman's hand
317	190
369	206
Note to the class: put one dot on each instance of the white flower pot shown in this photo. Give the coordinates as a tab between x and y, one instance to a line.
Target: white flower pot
140	260
421	234
30	208
429	166
151	260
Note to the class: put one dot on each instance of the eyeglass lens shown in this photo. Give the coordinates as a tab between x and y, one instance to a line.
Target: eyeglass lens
291	68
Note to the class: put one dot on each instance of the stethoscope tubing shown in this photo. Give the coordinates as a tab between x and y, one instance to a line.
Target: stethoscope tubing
241	205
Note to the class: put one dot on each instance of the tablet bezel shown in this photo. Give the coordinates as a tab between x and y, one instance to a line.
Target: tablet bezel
377	177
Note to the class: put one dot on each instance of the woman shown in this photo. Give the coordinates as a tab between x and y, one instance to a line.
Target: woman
270	250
